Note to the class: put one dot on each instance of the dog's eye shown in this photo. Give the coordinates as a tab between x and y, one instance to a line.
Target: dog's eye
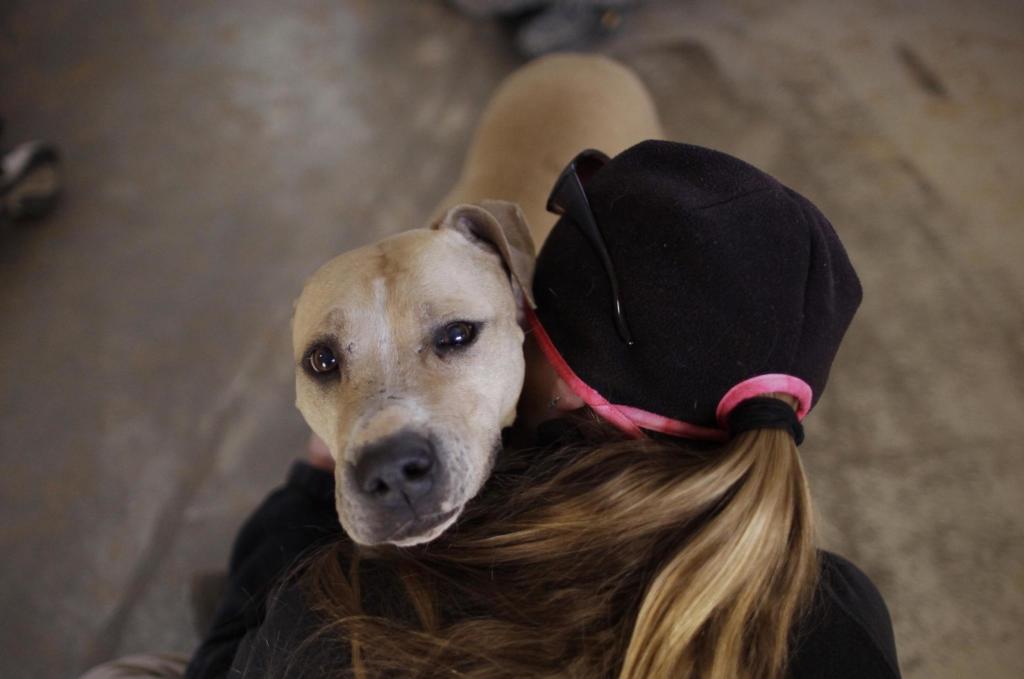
455	335
322	360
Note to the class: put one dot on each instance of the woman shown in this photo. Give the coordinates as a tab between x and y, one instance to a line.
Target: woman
688	310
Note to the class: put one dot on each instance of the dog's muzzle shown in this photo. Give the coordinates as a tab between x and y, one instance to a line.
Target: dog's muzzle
400	478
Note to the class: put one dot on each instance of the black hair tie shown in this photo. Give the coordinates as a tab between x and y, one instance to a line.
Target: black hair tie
765	412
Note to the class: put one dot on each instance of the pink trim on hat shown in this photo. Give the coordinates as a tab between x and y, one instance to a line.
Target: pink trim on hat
590	396
626	418
764	384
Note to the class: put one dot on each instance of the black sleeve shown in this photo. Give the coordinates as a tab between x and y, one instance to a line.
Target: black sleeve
288	644
848	633
293	640
292	520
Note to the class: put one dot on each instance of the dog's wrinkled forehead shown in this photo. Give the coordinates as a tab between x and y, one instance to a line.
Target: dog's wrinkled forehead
384	291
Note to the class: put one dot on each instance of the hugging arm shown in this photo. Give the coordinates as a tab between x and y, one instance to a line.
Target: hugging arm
289	523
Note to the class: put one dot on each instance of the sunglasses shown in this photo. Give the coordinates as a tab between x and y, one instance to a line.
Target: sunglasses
568	199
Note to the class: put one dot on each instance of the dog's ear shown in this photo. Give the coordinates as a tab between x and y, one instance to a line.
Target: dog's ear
500	226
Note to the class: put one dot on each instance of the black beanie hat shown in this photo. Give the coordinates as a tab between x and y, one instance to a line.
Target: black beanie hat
731	285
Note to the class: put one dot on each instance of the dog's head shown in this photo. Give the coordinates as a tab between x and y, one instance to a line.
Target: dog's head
409	362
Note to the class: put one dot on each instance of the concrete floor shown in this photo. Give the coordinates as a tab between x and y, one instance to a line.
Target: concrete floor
216	153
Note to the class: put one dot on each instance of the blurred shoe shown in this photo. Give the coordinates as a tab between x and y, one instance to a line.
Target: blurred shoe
29	181
569	26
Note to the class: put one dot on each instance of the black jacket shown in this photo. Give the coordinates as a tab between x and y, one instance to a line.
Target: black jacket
847	635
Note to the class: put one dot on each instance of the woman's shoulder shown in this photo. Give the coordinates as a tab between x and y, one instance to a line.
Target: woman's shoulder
847	632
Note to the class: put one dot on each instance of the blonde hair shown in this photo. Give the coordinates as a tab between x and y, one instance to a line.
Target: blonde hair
635	559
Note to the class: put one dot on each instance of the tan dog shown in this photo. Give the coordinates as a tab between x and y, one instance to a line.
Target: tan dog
409	351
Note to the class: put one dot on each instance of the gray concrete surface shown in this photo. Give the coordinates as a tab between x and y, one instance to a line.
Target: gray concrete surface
216	153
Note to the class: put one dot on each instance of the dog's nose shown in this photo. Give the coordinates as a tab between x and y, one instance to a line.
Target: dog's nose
397	471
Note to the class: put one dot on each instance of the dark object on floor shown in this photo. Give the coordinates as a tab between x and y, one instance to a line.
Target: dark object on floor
206	592
29	180
544	26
